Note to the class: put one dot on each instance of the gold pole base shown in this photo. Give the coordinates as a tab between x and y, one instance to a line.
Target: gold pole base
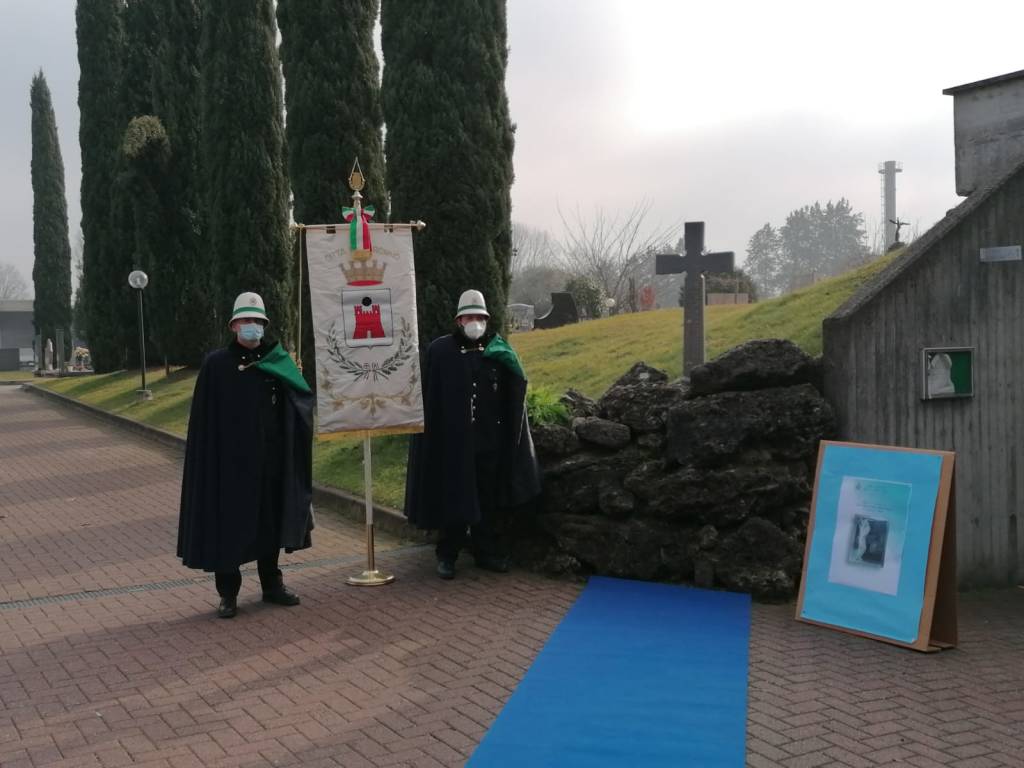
370	579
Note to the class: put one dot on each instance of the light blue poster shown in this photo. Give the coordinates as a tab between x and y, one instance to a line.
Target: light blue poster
868	557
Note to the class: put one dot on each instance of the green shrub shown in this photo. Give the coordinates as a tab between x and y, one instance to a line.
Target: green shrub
543	407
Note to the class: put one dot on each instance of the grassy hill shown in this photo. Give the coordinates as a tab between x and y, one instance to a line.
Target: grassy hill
588	356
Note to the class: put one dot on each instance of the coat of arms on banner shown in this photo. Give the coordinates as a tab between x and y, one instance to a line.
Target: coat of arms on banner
363	298
368	318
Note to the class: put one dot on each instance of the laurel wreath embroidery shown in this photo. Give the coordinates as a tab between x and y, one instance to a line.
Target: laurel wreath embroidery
376	370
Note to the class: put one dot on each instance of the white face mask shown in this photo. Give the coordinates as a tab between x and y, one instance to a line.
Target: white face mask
474	329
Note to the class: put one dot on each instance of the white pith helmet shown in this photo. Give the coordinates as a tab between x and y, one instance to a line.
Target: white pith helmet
249	305
472	302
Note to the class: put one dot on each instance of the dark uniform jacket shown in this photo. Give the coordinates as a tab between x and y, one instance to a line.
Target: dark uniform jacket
247	485
474	397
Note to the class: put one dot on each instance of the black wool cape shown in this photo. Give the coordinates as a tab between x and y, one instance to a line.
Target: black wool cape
225	454
440	487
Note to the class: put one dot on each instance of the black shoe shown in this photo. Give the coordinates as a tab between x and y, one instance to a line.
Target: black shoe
228	607
281	596
496	564
446	569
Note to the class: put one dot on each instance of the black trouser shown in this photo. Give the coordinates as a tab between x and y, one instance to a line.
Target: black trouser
486	538
229	582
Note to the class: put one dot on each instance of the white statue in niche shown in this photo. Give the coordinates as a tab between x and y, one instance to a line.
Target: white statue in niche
940	381
48	355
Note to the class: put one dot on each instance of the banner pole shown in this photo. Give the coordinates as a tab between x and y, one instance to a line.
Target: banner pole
371	577
301	243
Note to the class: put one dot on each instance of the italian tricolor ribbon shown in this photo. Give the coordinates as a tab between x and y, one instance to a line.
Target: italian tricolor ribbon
359	230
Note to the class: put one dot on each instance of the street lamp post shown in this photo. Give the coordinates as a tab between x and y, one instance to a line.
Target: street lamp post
139	280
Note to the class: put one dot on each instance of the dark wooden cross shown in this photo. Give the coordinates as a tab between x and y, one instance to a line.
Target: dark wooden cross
695	262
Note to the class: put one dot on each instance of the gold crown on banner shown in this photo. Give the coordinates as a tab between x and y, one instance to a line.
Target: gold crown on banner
361	271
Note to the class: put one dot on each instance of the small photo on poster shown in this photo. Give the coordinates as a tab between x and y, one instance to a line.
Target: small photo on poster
867	545
871	527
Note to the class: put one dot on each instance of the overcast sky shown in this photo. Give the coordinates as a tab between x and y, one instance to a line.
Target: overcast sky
734	113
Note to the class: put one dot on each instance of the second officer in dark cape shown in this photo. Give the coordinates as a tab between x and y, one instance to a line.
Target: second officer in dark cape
475	461
247	487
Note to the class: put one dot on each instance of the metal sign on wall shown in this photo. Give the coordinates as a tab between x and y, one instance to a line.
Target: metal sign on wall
1002	253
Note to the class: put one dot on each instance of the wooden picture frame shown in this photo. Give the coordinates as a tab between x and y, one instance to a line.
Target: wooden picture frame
936	610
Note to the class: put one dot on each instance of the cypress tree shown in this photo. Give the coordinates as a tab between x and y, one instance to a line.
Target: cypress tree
449	148
100	42
133	198
243	162
51	270
334	115
157	199
333	100
186	305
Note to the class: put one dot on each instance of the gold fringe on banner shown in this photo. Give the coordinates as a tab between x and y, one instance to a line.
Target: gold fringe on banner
364	433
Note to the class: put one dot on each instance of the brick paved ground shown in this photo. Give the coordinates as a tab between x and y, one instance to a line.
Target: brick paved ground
110	654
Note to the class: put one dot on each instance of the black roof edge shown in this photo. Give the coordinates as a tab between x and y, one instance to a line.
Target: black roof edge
917	249
982	83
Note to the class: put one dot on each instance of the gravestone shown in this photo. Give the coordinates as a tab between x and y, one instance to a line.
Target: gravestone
563	312
59	361
695	262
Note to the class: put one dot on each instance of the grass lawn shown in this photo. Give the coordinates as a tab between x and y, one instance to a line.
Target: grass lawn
115	392
17	375
587	356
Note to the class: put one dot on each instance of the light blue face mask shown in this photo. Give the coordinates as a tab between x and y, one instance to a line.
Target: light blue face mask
250	332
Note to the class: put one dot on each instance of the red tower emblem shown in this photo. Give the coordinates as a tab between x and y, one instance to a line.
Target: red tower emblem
368	322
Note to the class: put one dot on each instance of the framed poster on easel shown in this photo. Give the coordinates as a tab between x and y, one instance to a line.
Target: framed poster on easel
880	558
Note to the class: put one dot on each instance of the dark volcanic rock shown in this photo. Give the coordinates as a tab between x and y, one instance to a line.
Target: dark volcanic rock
652	441
640	399
609	434
756	364
785	423
614	500
642	374
656	482
578	403
761	559
573	484
633	548
553	440
723	497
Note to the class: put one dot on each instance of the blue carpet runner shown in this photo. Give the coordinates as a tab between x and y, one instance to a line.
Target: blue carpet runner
637	674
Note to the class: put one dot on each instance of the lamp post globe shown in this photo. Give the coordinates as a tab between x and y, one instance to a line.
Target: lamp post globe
138	280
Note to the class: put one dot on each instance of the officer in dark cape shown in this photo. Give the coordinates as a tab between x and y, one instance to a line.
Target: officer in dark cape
474	462
246	492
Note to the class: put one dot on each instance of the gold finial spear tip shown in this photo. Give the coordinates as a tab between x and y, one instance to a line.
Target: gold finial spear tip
355	179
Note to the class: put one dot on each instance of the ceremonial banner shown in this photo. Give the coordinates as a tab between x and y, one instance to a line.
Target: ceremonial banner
363	299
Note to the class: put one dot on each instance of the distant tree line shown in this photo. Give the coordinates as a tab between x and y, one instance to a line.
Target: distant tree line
603	257
192	173
815	242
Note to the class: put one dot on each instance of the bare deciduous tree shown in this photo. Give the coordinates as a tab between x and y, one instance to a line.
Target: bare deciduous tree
12	284
532	247
611	249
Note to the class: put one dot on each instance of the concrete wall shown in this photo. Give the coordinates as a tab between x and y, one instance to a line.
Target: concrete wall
988	132
16	329
947	297
727	298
